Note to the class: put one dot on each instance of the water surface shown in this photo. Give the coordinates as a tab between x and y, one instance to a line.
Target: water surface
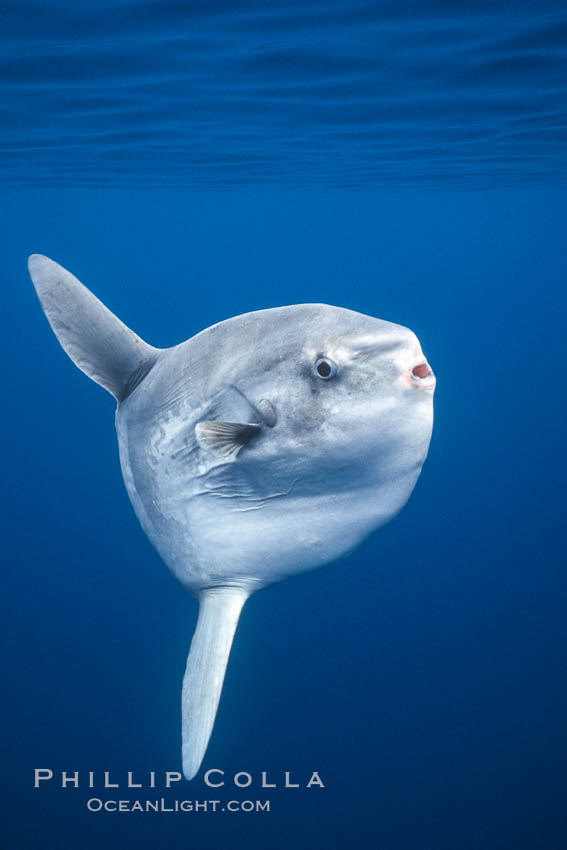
343	93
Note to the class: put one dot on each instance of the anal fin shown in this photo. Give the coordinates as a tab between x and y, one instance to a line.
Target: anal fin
219	611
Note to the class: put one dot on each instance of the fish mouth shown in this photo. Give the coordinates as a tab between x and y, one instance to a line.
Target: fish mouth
422	375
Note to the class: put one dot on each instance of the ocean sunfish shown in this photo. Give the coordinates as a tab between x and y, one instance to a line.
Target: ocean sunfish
269	444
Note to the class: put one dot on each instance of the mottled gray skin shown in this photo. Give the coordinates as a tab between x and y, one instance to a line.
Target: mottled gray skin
340	461
244	465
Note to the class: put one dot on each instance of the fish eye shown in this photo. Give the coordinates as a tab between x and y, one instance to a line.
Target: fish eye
325	368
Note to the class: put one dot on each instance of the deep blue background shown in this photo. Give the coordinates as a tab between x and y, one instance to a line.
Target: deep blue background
424	677
190	162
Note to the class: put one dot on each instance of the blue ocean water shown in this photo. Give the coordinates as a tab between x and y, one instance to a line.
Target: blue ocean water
286	93
193	161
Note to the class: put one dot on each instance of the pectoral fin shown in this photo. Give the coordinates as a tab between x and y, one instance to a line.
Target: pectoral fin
225	439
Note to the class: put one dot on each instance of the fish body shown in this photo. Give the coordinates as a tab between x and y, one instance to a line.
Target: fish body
269	444
339	460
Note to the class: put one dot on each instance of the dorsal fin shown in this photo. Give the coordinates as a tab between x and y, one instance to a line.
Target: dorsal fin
93	337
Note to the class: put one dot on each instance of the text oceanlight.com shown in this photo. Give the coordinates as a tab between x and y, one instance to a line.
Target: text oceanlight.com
103	781
95	804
